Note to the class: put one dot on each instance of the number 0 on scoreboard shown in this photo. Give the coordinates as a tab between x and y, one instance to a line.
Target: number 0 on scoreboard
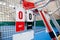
20	19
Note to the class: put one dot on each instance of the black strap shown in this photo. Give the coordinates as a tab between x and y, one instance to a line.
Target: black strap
51	34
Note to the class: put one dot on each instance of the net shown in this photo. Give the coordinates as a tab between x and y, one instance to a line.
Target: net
7	21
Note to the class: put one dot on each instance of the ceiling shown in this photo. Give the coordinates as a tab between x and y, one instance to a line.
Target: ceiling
8	5
7	10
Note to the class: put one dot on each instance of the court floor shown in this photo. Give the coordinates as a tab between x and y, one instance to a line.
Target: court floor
40	33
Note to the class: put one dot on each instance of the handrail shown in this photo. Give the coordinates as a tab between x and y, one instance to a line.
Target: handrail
54	10
40	6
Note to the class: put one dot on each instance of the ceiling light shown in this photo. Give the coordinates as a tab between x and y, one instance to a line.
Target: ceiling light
0	2
11	6
4	4
1	13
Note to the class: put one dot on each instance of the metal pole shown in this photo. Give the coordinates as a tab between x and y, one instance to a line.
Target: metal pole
58	4
55	22
34	21
0	36
48	25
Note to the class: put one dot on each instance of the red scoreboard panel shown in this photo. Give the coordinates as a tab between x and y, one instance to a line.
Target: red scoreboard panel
20	19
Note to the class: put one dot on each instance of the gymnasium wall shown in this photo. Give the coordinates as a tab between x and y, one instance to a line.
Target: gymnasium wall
38	23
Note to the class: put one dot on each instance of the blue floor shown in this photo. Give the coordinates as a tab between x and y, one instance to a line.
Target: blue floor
40	33
42	36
